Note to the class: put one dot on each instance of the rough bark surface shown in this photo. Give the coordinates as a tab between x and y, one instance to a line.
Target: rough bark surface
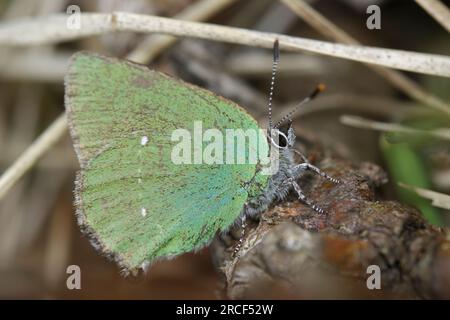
294	252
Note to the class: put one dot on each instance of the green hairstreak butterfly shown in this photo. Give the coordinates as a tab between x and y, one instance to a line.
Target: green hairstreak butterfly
133	200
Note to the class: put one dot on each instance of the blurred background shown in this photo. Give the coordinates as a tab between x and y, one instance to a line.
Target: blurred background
39	236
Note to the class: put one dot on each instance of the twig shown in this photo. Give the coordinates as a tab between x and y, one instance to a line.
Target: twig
329	29
27	159
438	11
438	199
153	45
359	122
53	29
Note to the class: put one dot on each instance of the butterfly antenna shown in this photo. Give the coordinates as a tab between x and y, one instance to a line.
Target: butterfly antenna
320	87
276	59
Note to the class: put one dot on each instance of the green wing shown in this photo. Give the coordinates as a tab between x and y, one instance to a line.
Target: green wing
136	204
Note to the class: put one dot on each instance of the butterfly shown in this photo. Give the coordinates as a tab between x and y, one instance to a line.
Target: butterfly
133	201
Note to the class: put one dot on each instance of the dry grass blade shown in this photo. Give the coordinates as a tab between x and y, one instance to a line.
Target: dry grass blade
329	29
38	148
359	122
438	11
53	29
438	199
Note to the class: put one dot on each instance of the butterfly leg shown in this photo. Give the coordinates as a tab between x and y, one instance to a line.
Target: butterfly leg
241	238
303	197
307	166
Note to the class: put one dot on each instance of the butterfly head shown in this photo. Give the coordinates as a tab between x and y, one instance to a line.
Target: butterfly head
282	135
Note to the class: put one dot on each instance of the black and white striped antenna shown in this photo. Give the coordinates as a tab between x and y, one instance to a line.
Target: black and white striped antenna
276	59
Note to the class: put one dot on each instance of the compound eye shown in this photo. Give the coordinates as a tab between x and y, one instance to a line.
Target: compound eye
278	139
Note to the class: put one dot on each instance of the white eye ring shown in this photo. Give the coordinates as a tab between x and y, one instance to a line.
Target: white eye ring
278	133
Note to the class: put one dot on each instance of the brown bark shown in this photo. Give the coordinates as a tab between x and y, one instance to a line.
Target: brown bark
294	252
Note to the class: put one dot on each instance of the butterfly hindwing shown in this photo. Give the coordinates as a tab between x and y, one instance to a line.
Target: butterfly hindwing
137	204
